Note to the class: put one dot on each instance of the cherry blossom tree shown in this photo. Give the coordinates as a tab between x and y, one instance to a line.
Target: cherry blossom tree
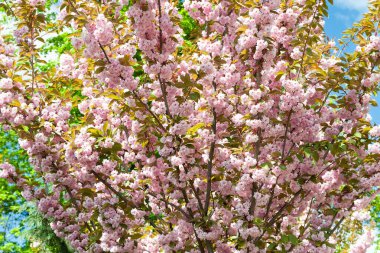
194	126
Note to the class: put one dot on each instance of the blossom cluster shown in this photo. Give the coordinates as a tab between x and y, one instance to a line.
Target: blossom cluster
242	138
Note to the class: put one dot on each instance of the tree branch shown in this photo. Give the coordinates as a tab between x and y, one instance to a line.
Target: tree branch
135	94
178	208
162	84
285	136
99	177
209	165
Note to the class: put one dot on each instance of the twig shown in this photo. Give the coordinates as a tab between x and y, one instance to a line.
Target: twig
99	177
209	165
285	136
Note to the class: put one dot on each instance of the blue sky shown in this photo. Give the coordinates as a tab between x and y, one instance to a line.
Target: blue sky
341	16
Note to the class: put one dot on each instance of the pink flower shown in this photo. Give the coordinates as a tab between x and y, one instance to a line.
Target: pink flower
363	242
375	131
374	148
296	54
8	171
103	30
6	83
66	64
36	2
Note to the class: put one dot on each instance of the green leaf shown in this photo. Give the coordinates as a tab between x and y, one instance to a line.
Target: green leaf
99	70
266	165
116	147
279	75
300	157
87	192
284	238
307	152
136	236
309	51
195	96
373	103
293	239
95	132
192	130
315	156
272	246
